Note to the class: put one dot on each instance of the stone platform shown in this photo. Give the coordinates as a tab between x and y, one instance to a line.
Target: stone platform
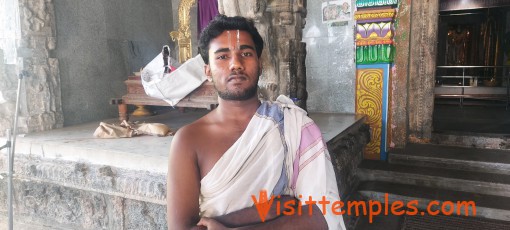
67	179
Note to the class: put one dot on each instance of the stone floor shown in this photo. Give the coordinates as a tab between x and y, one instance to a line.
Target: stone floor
482	119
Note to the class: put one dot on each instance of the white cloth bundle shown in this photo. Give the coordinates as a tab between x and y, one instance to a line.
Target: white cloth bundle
172	87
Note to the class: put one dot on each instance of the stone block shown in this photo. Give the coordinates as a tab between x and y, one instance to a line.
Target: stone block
77	195
346	154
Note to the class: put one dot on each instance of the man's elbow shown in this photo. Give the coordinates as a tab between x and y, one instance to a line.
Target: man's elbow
319	220
185	227
182	224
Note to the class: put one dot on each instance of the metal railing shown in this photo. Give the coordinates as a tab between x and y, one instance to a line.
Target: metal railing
463	77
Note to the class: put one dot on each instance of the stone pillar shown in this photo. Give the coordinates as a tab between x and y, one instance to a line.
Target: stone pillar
40	102
399	92
9	32
422	69
7	94
280	23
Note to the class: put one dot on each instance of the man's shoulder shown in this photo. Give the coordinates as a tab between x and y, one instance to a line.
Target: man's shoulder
186	140
193	129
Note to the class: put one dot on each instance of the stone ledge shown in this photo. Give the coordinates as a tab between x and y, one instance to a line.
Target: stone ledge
46	204
55	185
137	185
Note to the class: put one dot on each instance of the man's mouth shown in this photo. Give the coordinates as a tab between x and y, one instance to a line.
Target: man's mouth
236	78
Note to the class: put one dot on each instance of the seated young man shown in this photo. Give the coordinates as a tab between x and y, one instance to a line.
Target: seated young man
224	167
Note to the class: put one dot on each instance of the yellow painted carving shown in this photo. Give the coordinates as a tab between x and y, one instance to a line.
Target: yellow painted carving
374	42
374	14
369	92
373	35
183	34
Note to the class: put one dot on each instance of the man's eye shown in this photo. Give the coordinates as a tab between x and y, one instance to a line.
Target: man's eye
247	54
222	57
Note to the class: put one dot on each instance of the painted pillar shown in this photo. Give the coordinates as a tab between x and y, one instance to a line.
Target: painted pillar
375	52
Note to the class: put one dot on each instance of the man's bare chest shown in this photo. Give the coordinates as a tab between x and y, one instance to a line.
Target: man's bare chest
213	148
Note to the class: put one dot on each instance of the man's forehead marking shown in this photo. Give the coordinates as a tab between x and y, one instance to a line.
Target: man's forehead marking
230	45
229	41
238	45
238	40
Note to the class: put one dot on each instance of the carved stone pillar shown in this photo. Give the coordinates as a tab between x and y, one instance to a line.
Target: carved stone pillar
7	94
40	107
8	34
422	69
280	24
399	92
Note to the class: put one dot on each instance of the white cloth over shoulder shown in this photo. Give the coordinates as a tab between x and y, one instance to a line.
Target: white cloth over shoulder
173	86
281	151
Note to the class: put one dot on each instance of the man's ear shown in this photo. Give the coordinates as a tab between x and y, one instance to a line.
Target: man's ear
207	70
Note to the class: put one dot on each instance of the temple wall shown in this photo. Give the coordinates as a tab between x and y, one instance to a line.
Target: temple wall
330	65
102	42
77	55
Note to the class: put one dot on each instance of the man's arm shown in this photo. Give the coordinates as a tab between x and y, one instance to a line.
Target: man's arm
251	216
306	220
183	183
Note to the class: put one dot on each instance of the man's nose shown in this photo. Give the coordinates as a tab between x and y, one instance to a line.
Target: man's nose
236	62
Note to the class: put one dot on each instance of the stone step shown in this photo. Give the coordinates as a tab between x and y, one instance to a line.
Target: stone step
453	157
472	140
487	206
440	178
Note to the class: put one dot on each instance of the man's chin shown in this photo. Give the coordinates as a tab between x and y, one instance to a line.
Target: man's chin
237	93
230	97
238	96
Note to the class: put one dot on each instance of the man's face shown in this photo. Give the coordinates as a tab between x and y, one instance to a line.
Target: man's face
233	65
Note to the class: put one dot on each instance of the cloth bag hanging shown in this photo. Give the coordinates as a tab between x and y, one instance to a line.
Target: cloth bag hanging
174	86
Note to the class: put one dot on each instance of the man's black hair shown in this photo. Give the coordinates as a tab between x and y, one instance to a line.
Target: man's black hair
222	23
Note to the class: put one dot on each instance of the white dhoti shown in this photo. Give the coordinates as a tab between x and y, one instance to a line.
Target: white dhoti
282	152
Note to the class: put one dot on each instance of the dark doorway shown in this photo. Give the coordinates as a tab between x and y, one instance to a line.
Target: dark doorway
472	82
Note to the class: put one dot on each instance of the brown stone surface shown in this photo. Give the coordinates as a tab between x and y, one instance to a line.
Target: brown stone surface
422	68
398	93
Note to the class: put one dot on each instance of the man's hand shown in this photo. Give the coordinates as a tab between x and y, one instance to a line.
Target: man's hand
211	224
251	216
